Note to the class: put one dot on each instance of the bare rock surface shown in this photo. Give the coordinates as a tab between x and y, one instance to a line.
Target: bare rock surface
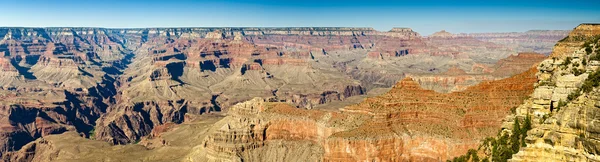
156	94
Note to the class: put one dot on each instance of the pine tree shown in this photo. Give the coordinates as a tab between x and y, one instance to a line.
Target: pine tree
514	138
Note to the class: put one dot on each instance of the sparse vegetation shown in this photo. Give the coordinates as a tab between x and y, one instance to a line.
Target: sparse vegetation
546	116
573	95
502	147
561	104
92	133
470	156
577	71
595	57
567	61
592	81
590	41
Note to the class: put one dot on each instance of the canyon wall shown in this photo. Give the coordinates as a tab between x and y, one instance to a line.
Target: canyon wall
565	103
123	86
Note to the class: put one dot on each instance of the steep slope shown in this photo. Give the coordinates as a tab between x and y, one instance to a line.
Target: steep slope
569	103
54	80
394	126
560	115
456	79
148	86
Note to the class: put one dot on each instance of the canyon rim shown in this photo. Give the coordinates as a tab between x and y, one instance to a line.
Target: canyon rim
111	81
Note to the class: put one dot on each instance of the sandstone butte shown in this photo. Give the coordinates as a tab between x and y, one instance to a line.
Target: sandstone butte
165	89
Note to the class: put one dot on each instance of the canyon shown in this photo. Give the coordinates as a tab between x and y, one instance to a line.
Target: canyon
260	94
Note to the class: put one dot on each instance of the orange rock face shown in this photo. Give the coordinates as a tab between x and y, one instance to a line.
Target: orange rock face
456	79
450	122
123	85
573	41
406	124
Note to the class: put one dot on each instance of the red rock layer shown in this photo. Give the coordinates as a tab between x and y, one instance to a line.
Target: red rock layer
456	120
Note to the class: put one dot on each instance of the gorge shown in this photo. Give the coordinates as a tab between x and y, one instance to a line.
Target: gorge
281	94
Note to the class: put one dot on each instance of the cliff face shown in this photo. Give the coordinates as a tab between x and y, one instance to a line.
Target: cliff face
456	79
565	103
395	126
398	125
560	114
144	85
54	80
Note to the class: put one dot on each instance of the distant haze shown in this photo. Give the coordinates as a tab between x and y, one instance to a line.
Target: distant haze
423	16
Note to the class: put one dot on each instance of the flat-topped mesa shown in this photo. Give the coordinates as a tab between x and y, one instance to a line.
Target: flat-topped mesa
442	34
204	32
217	34
403	33
312	31
575	39
586	29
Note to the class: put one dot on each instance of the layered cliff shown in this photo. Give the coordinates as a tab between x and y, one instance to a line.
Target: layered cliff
530	41
457	79
163	89
560	114
54	80
566	102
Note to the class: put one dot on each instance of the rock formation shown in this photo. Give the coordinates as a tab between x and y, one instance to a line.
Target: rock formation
395	126
456	79
562	108
529	41
147	86
566	101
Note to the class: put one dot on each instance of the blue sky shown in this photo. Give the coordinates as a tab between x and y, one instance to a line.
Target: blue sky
424	16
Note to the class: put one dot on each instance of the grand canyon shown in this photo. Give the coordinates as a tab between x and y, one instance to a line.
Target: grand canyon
234	94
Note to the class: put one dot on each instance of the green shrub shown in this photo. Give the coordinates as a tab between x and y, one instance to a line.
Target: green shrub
595	57
592	81
567	61
577	71
92	133
573	95
561	104
588	50
502	147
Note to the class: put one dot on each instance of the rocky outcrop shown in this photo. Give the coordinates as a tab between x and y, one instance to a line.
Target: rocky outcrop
443	34
388	131
559	116
55	80
565	103
86	82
